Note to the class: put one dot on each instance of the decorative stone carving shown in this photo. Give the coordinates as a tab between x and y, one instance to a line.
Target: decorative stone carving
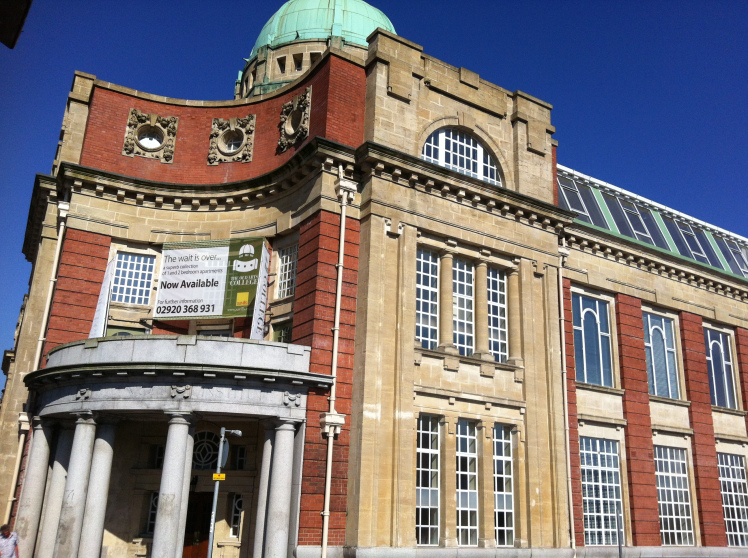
294	120
291	399
83	394
184	391
232	140
150	136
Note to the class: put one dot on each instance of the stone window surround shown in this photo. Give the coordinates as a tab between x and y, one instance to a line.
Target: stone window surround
217	151
675	316
733	447
610	299
448	474
295	119
447	251
730	333
166	126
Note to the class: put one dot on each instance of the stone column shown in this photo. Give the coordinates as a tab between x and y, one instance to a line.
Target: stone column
448	503
165	534
480	301
446	325
74	503
179	550
486	504
262	493
279	497
514	318
98	491
55	495
32	495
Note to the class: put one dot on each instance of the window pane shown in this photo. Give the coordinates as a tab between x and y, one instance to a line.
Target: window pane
427	481
503	486
673	496
458	150
497	312
427	317
732	480
467	484
287	270
133	278
601	490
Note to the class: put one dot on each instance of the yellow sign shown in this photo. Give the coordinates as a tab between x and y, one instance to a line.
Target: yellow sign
219	476
242	299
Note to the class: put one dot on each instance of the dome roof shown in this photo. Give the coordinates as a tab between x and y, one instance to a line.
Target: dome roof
299	20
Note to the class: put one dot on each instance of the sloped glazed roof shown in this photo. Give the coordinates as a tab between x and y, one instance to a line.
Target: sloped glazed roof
299	20
633	217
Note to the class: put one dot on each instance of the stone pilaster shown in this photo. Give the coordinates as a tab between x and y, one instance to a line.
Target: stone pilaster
446	325
515	317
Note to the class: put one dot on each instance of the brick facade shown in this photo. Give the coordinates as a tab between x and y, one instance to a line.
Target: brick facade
571	394
82	265
706	473
645	519
314	312
741	346
338	91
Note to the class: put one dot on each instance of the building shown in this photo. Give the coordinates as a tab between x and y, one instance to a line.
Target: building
587	385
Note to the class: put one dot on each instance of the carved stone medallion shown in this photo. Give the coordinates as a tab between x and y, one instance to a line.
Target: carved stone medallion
294	120
232	140
150	136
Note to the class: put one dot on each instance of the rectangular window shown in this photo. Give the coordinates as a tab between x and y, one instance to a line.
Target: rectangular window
133	278
462	306
427	481
578	197
659	343
467	484
427	296
287	258
150	523
282	331
734	489
601	491
497	326
673	496
736	258
240	457
236	516
592	340
719	360
503	486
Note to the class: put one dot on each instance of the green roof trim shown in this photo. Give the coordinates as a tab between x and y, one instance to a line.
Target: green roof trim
665	231
606	212
305	20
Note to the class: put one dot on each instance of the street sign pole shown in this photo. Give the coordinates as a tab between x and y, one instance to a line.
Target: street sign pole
217	478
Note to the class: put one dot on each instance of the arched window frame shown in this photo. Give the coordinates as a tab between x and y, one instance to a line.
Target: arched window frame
461	151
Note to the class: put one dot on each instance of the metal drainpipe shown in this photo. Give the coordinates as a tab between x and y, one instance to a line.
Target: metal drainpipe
23	424
62	209
332	422
563	254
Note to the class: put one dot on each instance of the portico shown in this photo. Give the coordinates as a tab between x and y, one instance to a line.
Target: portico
97	420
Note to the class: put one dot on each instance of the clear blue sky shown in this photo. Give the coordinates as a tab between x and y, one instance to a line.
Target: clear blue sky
647	95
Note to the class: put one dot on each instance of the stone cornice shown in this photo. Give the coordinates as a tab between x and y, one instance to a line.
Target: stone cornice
413	172
627	252
45	192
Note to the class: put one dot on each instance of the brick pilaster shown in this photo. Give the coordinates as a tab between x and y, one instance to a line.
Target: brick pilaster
571	394
706	472
314	313
741	344
645	519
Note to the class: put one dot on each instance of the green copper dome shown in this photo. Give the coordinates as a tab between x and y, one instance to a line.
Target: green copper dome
299	20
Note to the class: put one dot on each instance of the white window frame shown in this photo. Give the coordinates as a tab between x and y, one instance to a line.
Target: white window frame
686	230
727	375
466	526
123	264
287	263
672	368
427	297
235	517
741	260
498	332
635	213
150	520
463	306
565	189
604	306
601	513
503	485
428	480
674	496
483	163
734	491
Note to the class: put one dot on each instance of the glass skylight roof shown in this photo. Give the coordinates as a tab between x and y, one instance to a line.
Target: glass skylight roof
626	214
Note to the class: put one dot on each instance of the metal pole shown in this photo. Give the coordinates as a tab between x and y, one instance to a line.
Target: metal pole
215	495
619	520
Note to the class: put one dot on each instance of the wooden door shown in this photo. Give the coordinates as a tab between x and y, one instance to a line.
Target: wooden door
196	532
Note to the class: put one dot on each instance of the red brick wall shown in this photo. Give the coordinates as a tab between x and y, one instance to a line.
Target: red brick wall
706	472
571	393
314	313
741	344
338	92
645	519
554	186
82	265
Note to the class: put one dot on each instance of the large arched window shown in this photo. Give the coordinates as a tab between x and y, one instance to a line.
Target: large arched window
460	151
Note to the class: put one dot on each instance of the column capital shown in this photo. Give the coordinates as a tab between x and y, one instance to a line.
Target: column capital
284	424
85	417
178	417
481	262
447	253
512	271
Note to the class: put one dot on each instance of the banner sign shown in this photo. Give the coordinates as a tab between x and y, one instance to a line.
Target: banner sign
98	325
214	279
